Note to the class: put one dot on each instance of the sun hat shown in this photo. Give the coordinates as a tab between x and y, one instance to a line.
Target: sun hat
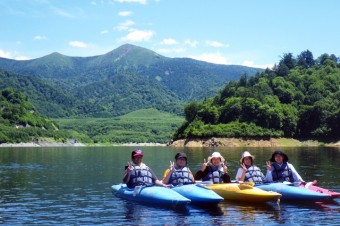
216	155
246	154
279	152
137	152
181	155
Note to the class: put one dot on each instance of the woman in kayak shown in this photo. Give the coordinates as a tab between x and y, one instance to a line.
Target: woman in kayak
137	173
178	172
279	170
215	170
249	172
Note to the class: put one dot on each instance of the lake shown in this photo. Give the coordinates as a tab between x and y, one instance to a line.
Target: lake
71	185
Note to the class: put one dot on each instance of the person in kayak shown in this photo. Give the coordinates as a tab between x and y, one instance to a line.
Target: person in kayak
178	172
248	172
279	170
214	170
137	173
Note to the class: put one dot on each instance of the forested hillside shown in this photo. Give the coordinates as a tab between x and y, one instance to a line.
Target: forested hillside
116	83
20	121
299	98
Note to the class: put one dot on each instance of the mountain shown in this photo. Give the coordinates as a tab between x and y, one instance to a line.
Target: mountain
125	79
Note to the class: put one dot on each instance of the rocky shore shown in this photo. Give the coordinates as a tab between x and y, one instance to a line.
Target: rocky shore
242	142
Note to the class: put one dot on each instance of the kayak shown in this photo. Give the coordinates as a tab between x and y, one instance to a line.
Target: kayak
311	186
243	192
198	194
294	193
150	195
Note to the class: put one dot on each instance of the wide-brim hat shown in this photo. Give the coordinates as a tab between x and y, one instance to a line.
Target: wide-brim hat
246	154
279	152
216	155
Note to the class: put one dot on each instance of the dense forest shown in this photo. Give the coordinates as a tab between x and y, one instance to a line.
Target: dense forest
121	81
298	98
20	121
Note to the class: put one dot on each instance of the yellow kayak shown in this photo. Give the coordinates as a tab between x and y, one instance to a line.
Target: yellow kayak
245	192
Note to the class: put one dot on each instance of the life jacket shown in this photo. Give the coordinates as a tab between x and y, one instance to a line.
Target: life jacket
181	176
281	173
214	174
254	174
140	175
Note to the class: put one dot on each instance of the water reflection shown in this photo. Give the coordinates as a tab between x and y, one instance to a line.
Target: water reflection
72	186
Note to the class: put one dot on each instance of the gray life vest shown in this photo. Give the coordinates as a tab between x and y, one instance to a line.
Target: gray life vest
181	176
214	174
254	174
140	176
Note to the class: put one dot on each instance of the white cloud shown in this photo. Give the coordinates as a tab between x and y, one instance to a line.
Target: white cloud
250	63
125	25
78	44
216	44
39	37
170	50
5	54
192	43
9	55
94	3
104	32
143	2
169	41
124	13
216	58
138	36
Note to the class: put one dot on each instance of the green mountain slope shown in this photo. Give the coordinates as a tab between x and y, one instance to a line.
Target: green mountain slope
21	122
123	80
299	98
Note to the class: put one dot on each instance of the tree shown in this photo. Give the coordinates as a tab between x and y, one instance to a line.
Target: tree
305	59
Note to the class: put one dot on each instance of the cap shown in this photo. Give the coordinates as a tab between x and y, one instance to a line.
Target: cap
137	152
181	155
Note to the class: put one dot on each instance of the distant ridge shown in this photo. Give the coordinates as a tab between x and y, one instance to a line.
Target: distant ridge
125	79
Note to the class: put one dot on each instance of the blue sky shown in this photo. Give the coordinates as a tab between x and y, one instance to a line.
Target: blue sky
243	32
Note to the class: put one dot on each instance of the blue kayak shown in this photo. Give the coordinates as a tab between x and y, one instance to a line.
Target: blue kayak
150	195
198	194
291	192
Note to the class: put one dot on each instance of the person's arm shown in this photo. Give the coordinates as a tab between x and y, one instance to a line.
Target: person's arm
166	176
155	179
127	173
167	173
201	174
240	175
296	175
226	178
269	176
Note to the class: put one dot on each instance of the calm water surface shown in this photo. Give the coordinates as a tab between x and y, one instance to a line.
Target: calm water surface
71	186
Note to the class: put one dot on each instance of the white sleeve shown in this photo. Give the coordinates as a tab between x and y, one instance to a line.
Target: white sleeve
269	177
239	173
296	175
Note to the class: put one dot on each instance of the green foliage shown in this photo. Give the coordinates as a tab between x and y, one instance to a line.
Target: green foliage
20	121
141	126
116	83
298	98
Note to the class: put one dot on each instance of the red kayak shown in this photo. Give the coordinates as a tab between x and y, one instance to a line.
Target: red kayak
311	186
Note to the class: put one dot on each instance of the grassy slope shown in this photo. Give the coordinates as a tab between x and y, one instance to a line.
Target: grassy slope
141	126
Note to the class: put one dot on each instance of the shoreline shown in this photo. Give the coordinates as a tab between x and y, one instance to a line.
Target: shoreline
243	142
208	142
